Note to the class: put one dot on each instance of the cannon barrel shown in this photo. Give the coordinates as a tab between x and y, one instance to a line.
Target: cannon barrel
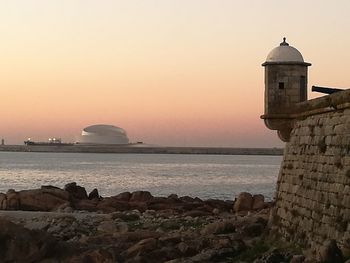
325	90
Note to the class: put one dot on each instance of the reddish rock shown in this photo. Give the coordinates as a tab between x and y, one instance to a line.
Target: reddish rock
87	205
244	202
258	202
76	191
12	202
110	204
125	196
140	196
55	191
42	199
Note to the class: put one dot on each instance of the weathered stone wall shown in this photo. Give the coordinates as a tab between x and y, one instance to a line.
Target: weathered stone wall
313	189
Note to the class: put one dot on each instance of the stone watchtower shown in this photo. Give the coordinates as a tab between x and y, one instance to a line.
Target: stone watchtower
285	85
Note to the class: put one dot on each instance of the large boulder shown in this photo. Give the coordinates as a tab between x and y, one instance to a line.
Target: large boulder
76	191
44	199
140	196
19	244
125	196
258	202
244	202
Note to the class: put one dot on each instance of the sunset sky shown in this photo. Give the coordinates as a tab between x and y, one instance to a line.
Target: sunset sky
170	72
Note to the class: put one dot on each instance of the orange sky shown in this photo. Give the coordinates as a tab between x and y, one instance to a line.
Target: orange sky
170	72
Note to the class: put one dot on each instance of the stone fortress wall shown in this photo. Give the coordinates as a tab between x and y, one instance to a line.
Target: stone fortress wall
313	188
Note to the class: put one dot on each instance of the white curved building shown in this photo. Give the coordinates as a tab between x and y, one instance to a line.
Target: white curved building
102	134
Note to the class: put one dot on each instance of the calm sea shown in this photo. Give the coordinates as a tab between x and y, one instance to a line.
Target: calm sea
205	176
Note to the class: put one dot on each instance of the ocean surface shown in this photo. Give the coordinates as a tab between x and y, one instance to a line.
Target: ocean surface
204	176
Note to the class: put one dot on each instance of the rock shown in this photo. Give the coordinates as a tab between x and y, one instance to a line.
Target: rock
173	196
3	201
94	194
216	211
125	196
214	255
141	247
44	199
219	204
274	256
136	236
253	230
258	202
19	244
187	199
197	213
86	204
94	256
185	249
297	259
330	252
111	204
55	191
40	225
122	227
125	216
12	198
244	202
76	191
107	227
140	196
218	228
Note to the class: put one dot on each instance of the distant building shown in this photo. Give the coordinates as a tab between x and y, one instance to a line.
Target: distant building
102	134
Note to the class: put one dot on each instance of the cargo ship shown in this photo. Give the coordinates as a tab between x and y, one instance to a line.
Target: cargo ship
51	141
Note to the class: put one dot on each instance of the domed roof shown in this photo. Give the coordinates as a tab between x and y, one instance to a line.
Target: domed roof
284	53
103	129
102	134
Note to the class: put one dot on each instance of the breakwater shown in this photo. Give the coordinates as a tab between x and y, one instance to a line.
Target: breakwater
140	149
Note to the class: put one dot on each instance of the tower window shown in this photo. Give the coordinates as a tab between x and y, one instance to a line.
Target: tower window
280	85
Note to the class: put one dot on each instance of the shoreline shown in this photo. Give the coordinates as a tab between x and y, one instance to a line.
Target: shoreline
141	149
130	227
134	227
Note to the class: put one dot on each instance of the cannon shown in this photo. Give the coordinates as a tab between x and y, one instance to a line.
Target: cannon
325	90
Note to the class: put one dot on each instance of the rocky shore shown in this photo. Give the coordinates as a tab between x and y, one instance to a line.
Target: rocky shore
68	225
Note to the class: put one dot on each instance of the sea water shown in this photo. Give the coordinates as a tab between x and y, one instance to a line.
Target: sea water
204	176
